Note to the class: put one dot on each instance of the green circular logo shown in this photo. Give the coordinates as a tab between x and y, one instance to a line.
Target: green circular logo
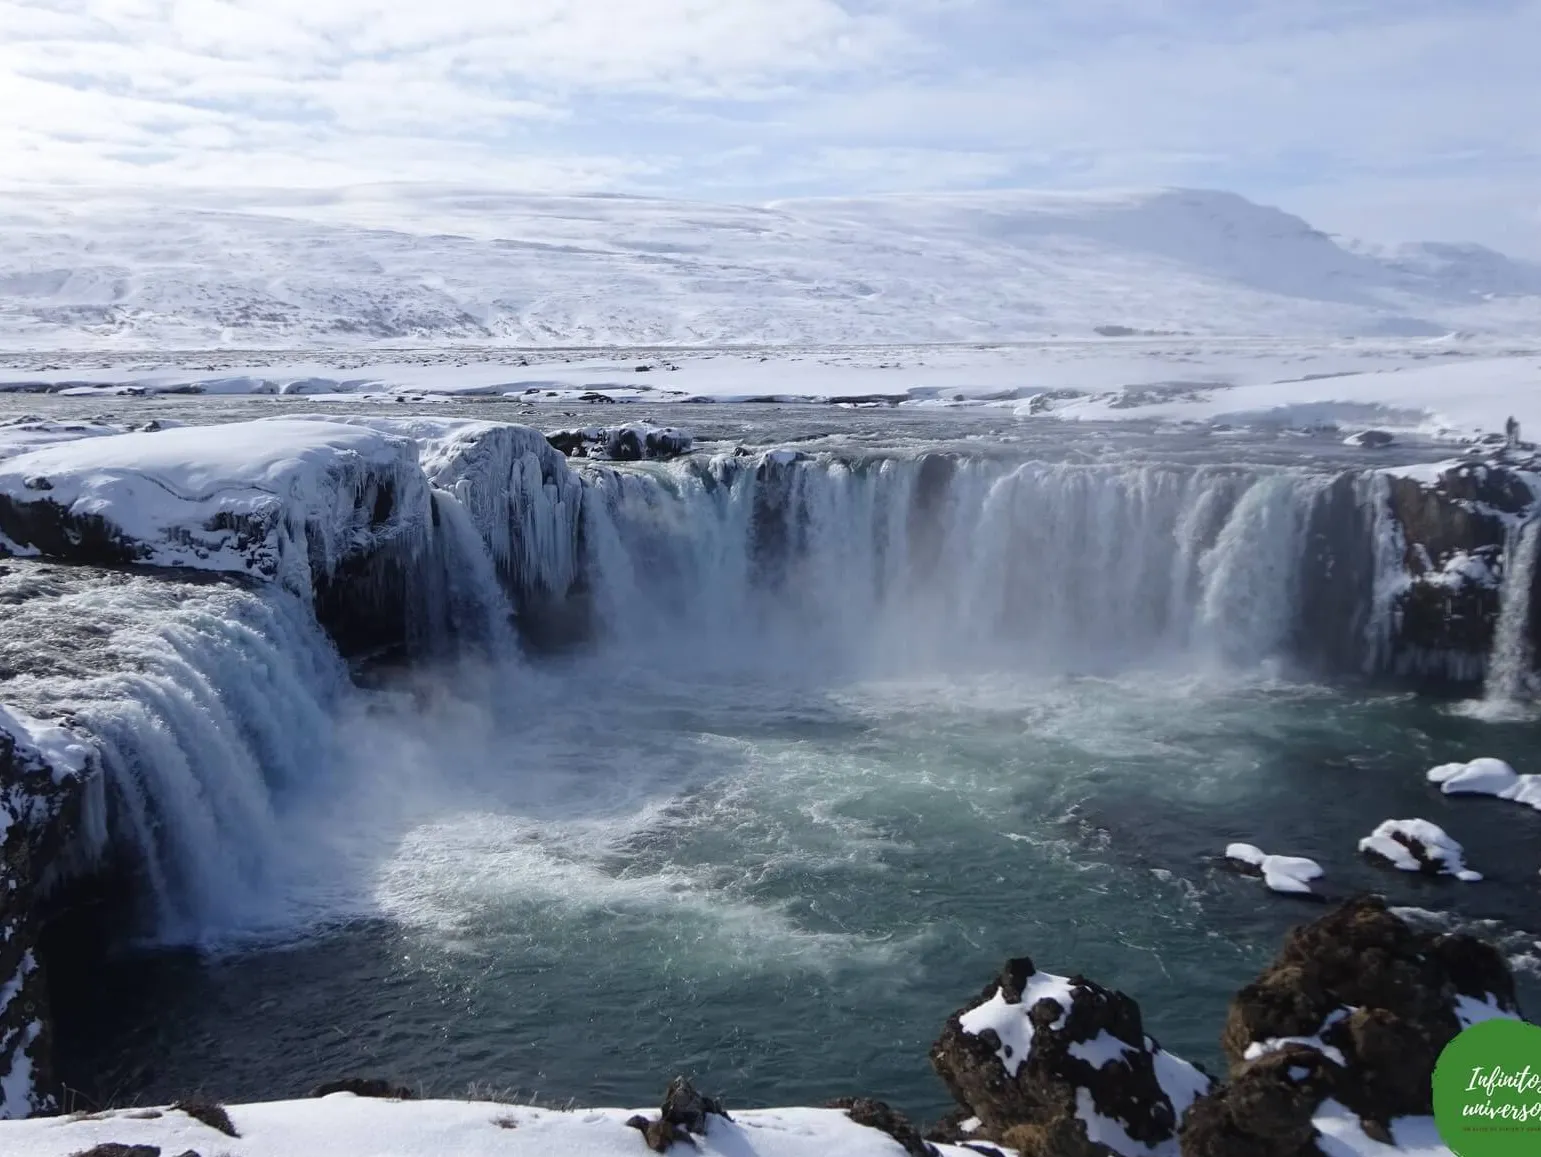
1487	1090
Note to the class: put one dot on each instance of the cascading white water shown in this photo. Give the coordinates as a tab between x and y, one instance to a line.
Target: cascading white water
1056	567
1510	664
208	703
458	601
216	707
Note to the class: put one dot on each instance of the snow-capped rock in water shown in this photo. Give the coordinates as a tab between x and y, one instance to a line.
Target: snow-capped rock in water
1487	776
630	443
1288	874
1418	846
43	769
587	270
1339	1035
1059	1066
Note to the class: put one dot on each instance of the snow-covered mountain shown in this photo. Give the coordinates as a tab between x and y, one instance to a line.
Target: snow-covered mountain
404	265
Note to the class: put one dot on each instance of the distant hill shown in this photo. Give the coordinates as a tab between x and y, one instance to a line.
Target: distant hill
407	265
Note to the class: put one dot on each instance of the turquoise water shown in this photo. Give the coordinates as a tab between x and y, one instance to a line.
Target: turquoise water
598	876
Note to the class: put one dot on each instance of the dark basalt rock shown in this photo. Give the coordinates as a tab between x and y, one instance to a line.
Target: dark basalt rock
569	442
1264	1111
1379	997
689	1109
659	1135
633	443
880	1116
40	807
1035	1110
1369	986
57	532
114	1149
685	1111
210	1113
1430	861
927	514
1446	618
1337	580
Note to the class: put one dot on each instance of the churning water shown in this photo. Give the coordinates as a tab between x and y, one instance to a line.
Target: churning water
851	730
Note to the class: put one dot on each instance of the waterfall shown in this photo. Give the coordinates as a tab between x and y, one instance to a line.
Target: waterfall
1510	664
209	703
892	561
217	707
459	602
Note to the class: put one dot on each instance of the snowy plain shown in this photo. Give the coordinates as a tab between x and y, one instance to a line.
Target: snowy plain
442	266
1428	389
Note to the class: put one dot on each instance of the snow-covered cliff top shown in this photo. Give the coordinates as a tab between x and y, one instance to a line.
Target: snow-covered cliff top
269	498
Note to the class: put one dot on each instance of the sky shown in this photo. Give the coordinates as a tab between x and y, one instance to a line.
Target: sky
1382	119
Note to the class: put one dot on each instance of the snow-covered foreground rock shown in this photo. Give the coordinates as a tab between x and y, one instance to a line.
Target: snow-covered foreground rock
1051	1065
1338	1037
343	1125
407	265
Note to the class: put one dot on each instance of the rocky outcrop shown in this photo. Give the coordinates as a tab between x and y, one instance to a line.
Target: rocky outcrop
685	1112
43	768
1264	1111
1352	1014
1061	1067
1355	1009
928	512
334	512
633	442
1455	527
885	1119
1337	594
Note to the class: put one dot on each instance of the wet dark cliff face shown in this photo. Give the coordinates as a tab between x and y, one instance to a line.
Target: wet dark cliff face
1338	580
1455	535
39	813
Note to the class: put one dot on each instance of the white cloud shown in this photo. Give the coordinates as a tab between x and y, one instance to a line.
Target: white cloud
1388	103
